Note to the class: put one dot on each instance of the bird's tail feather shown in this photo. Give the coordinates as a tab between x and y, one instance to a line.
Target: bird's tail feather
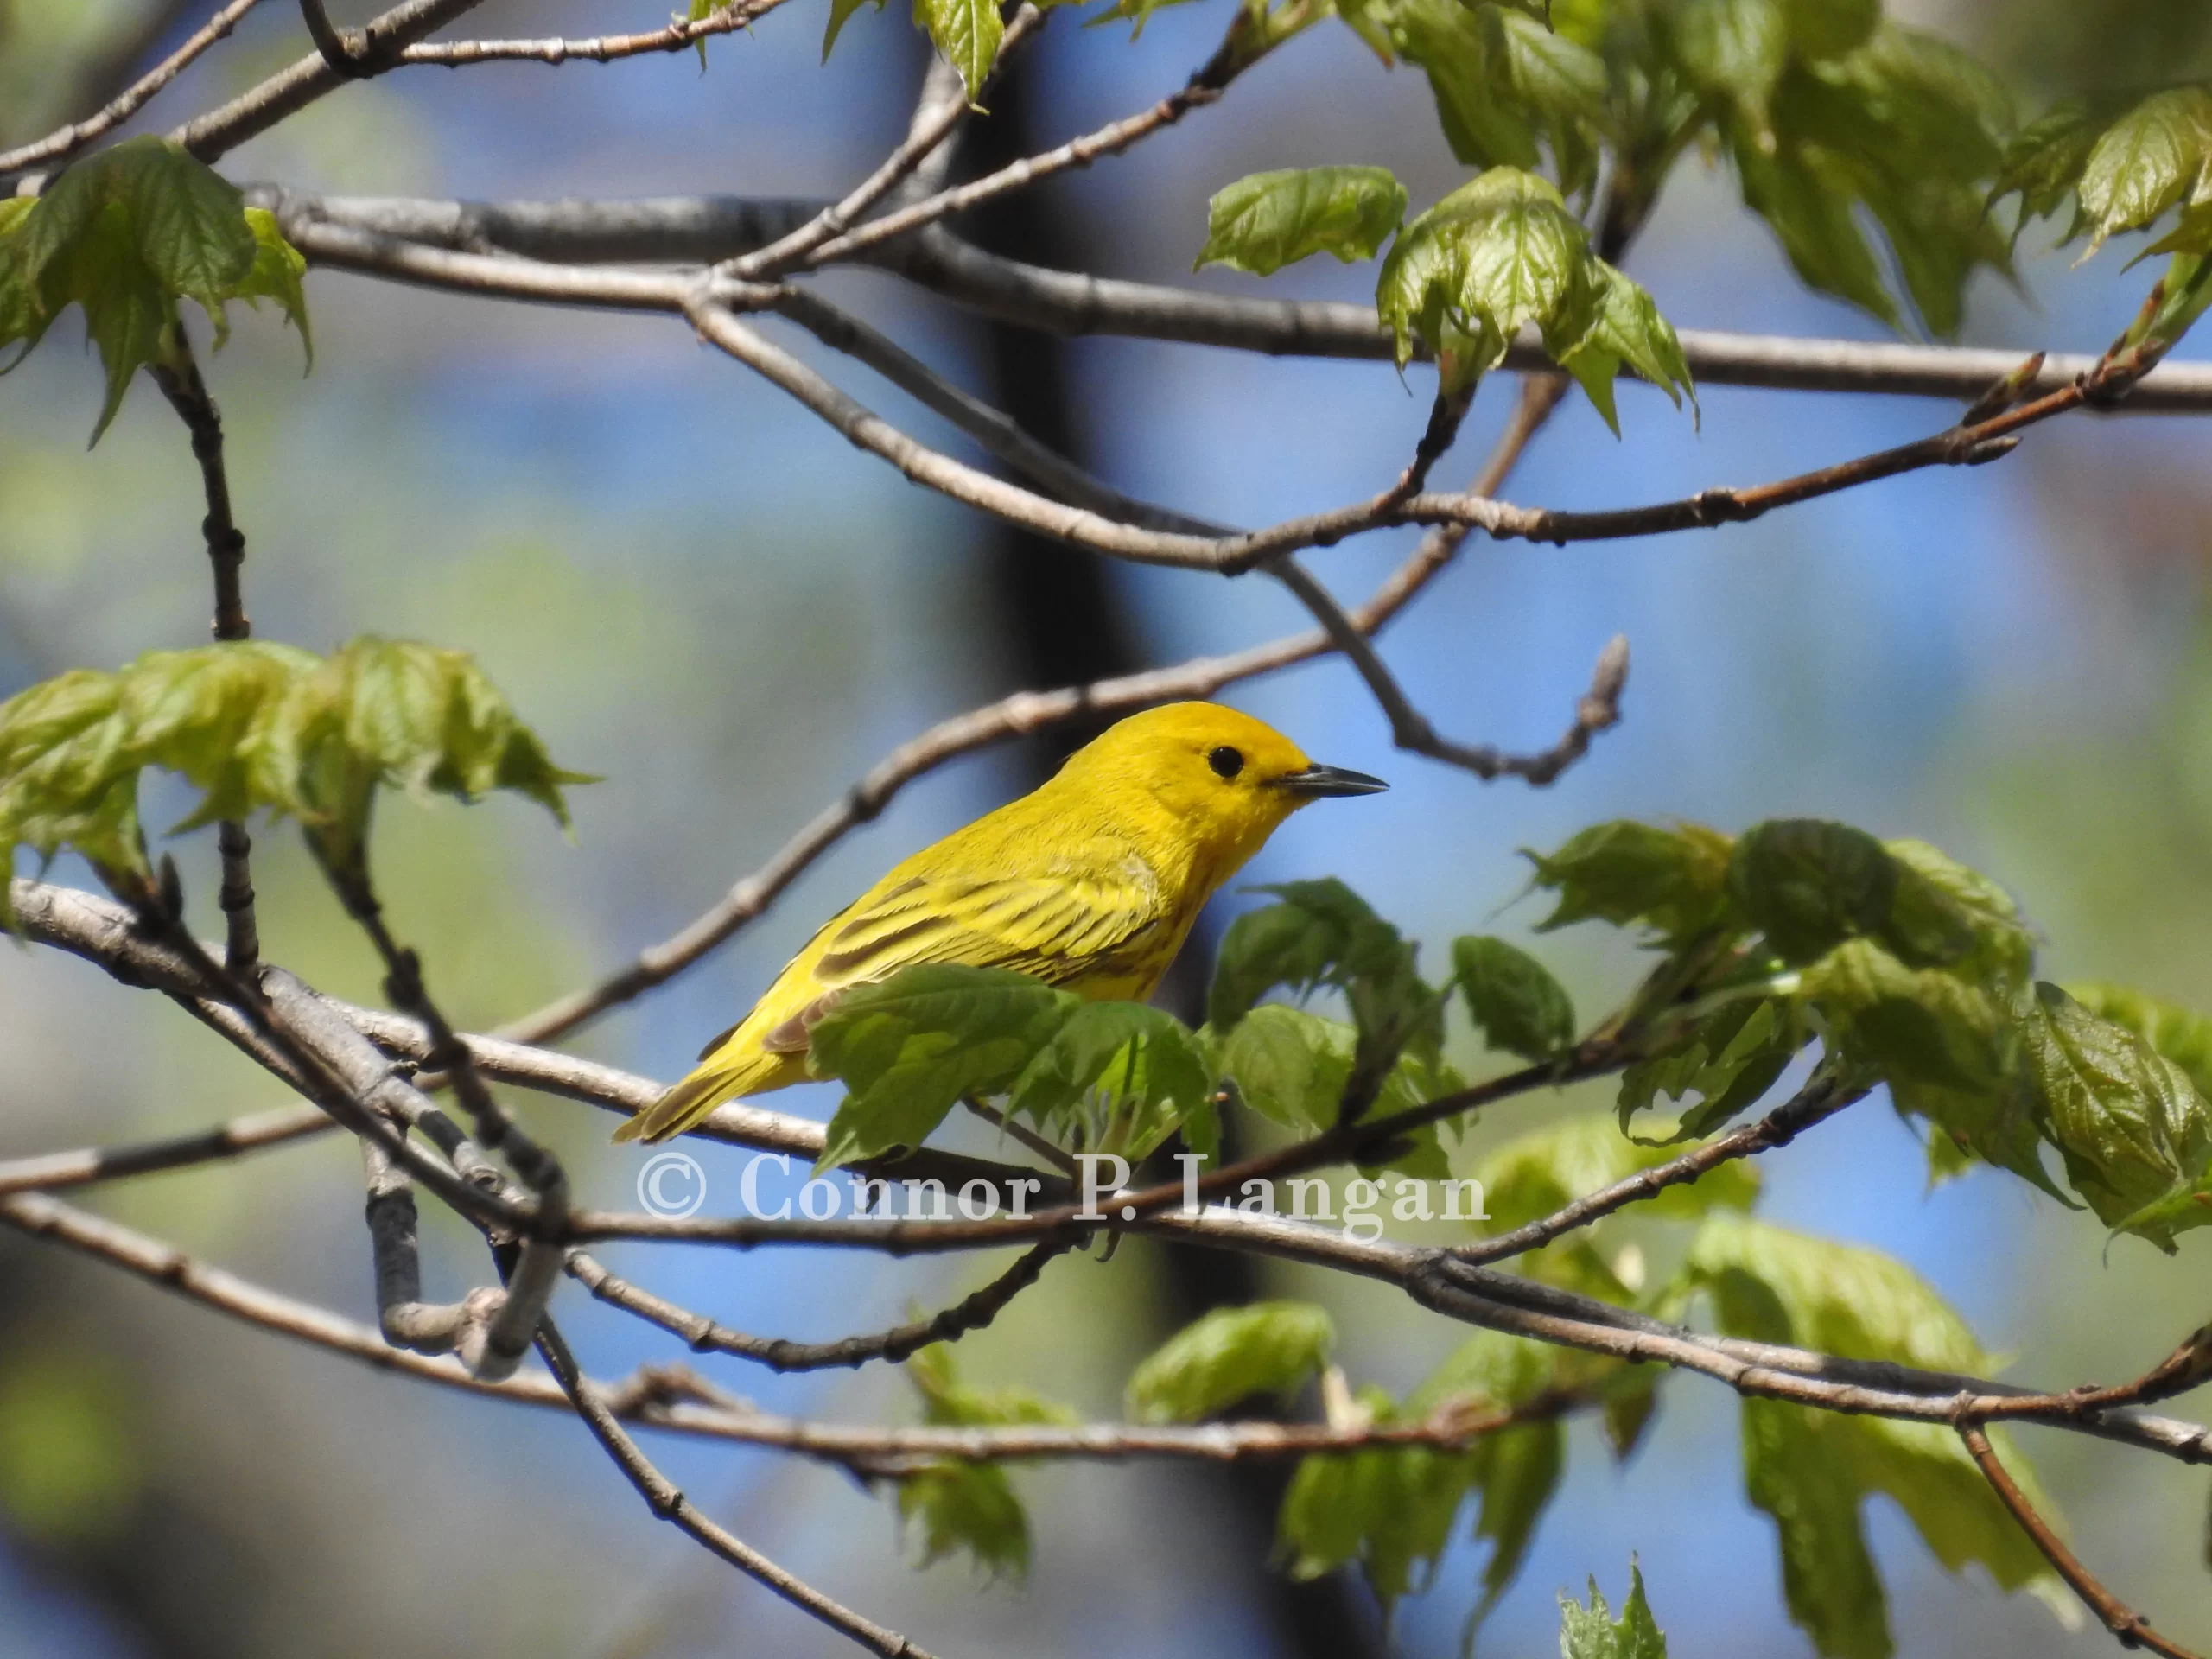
717	1079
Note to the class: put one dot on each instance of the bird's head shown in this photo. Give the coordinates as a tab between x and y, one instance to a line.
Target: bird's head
1222	779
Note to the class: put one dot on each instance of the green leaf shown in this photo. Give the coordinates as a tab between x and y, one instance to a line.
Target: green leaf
1808	205
2046	158
2154	156
971	1508
1321	934
1495	254
1390	1510
949	1403
1918	1023
1829	28
1592	1632
1294	1067
277	273
1733	51
966	31
2135	1135
123	234
1463	58
1127	1073
1810	1469
1513	999
1267	220
1625	326
1945	913
254	726
908	1048
1539	1172
1558	85
1290	1066
2178	1034
1808	884
1728	1060
841	12
1673	881
967	1507
1230	1355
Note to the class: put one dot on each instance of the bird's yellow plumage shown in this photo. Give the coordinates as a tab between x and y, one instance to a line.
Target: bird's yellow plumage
1089	882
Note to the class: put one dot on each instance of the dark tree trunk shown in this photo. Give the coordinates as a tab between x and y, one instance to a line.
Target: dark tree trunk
1062	619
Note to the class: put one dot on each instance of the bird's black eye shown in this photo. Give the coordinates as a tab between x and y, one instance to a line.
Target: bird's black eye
1226	761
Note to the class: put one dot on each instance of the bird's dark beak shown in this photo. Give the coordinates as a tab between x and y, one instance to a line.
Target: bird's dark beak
1317	781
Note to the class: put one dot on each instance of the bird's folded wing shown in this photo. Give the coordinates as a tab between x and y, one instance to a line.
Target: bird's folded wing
1056	927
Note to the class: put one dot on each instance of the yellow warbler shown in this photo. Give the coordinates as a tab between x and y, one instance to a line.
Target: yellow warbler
1090	883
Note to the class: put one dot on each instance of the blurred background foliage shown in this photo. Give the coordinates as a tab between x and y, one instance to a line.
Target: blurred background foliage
694	590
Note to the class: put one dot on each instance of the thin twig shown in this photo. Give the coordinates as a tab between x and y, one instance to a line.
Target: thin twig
931	127
187	394
1821	1098
668	1503
1205	87
702	229
291	90
600	48
703	1335
65	142
87	1166
537	1269
2130	1628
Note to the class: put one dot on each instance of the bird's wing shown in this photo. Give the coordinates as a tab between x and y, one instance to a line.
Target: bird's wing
1056	927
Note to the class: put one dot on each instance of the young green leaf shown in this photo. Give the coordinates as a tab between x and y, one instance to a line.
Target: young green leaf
1728	1060
278	273
2155	155
841	12
966	31
1734	51
123	234
2135	1135
1230	1355
1293	1067
1127	1073
966	1508
1625	326
1592	1632
908	1049
2045	159
1673	881
1829	28
2179	1034
1495	254
1943	913
1267	220
254	726
1918	1023
1390	1510
1811	1470
1808	884
1512	998
951	1403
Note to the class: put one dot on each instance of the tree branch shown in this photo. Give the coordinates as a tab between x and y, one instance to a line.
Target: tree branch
2130	1628
187	394
932	125
65	142
702	1335
598	49
702	229
286	93
668	1503
1819	1099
